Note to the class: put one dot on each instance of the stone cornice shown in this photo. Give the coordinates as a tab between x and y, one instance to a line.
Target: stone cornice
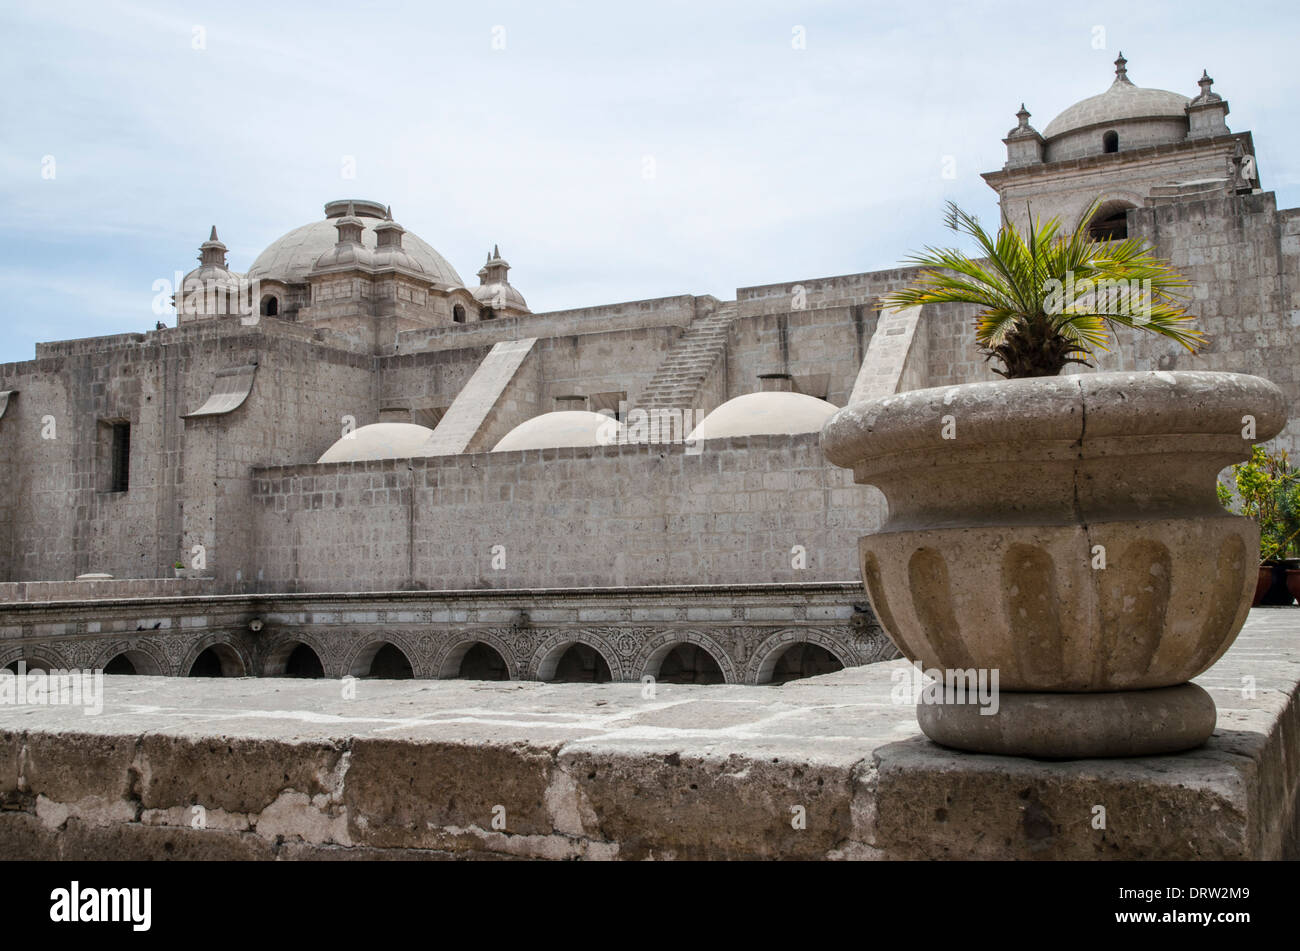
1034	171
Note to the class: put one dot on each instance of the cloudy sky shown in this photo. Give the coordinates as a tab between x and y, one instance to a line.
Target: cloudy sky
615	151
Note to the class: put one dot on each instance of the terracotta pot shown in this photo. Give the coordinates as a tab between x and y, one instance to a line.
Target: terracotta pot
1293	582
1262	585
1063	531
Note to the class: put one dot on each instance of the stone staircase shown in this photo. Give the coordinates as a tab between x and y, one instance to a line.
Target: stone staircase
678	380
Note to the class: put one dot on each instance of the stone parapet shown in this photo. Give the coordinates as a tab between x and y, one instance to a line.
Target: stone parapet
831	767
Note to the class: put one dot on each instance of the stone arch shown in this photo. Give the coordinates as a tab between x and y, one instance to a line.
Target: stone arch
765	656
277	652
37	656
654	649
364	651
147	660
448	657
548	653
293	658
1108	204
235	661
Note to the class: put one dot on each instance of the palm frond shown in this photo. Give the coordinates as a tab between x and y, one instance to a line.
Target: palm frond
1047	298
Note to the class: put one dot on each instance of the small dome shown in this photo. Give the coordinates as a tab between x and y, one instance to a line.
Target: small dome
346	255
379	441
773	413
572	427
393	256
213	275
499	295
494	289
1122	102
289	258
212	289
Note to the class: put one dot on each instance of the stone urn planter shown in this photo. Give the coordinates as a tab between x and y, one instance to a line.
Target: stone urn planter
1064	533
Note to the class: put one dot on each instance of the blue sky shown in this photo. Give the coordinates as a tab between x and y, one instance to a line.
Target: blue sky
771	163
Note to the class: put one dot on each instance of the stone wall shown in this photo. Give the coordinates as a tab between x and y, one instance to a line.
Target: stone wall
1243	256
632	315
820	347
622	515
188	479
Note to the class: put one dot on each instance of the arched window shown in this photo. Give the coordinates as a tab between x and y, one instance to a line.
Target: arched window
1110	223
270	305
1110	142
458	314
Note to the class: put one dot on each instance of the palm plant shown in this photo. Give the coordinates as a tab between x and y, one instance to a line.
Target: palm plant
1048	298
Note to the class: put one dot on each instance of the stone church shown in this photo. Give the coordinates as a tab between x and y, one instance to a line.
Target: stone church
348	460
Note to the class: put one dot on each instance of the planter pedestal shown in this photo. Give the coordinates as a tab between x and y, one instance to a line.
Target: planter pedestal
1079	725
1065	534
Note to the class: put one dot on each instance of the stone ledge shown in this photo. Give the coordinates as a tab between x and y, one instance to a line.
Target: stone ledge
290	769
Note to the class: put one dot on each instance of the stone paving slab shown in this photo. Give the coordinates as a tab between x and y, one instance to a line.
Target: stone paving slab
829	767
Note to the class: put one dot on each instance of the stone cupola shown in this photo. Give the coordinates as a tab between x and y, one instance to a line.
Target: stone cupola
348	251
388	245
495	292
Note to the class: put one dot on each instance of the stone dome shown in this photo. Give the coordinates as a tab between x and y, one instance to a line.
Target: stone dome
379	441
499	295
393	256
346	255
494	289
773	412
213	275
212	289
289	258
1122	102
571	427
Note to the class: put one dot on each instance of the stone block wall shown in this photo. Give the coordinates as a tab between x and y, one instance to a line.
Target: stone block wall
824	342
632	315
620	515
1243	256
63	521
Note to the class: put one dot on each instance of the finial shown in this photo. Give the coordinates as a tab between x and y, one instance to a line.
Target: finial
1205	82
496	251
352	212
388	213
1023	115
1121	69
212	251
